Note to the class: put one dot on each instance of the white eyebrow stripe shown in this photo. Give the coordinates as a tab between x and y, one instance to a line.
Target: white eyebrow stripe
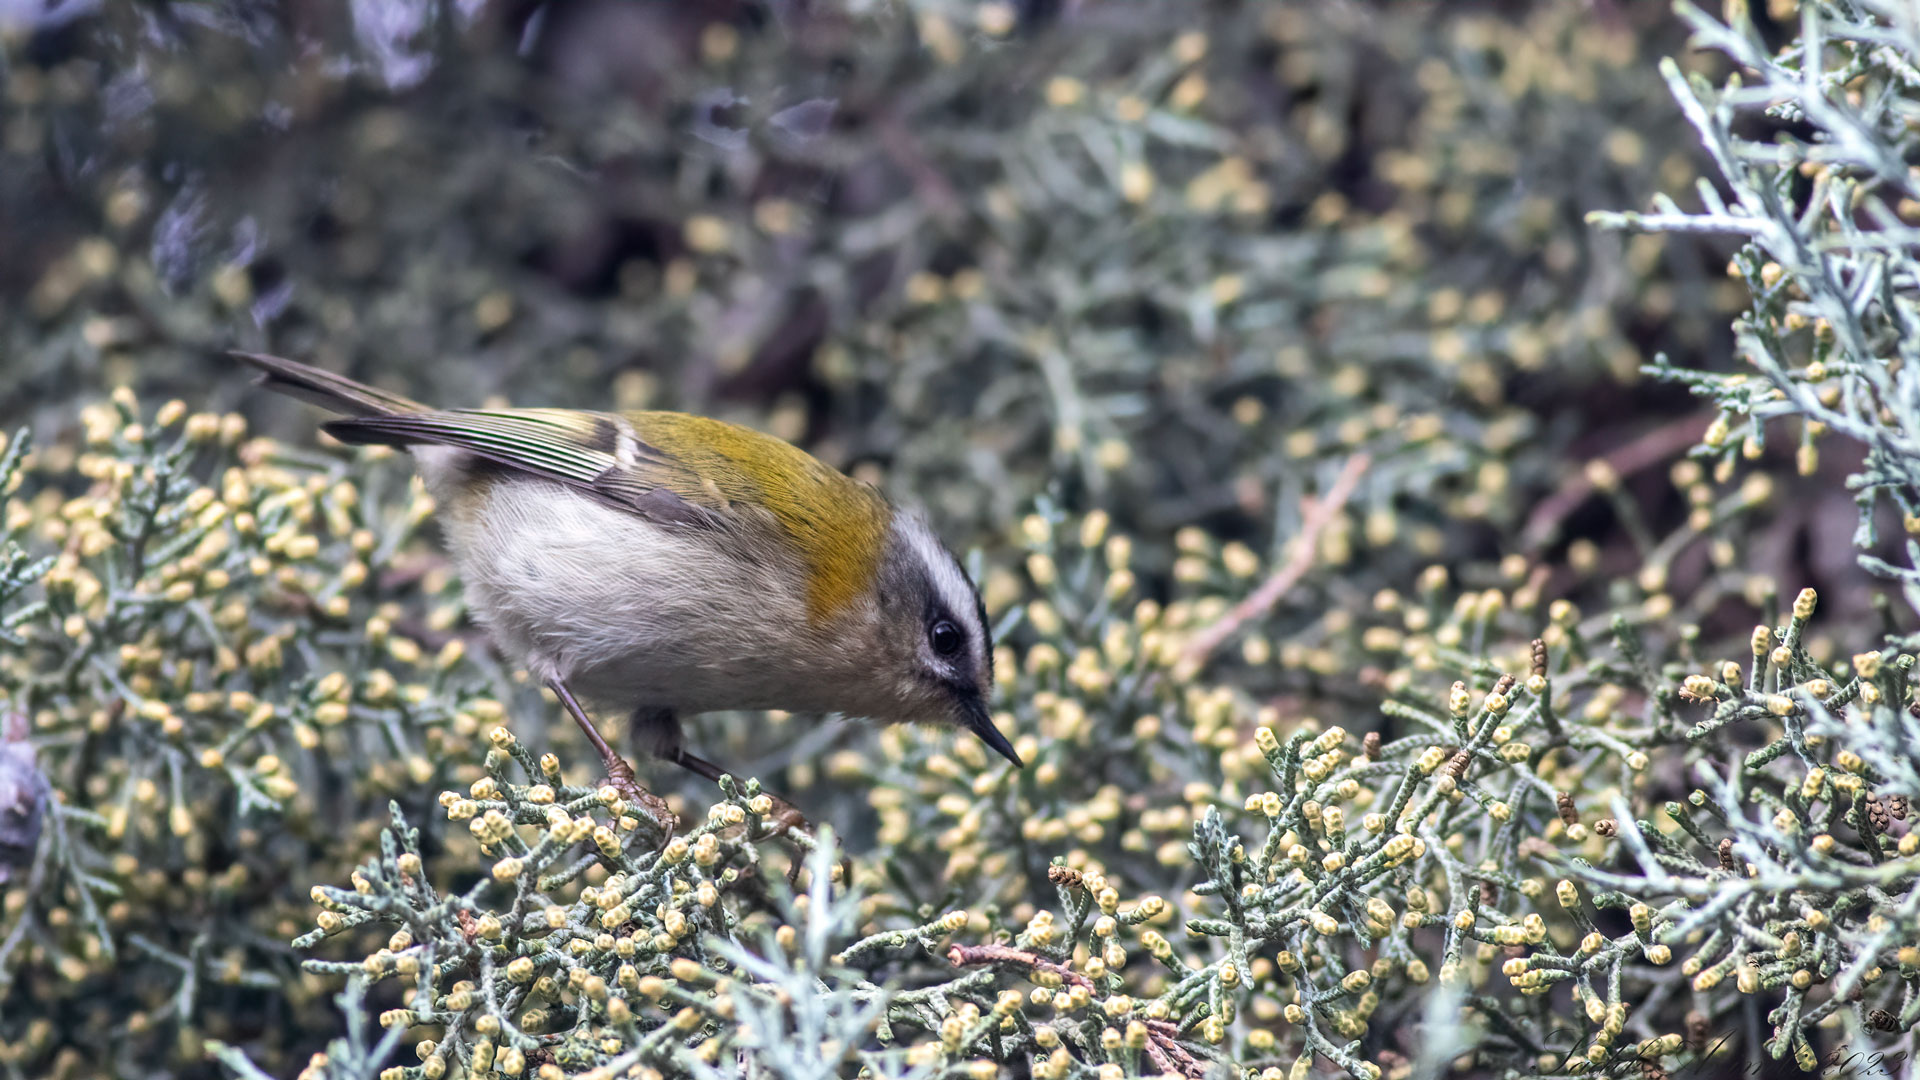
950	585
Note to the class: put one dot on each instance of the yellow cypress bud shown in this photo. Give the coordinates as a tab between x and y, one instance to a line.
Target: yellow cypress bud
1803	604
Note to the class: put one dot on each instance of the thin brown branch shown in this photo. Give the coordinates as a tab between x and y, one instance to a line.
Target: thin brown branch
966	955
1163	1048
1656	447
1315	515
1157	1055
1163	1042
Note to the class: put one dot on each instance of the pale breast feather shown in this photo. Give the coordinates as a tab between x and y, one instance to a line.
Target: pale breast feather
621	607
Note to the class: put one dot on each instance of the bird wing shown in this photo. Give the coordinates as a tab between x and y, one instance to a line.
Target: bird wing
595	453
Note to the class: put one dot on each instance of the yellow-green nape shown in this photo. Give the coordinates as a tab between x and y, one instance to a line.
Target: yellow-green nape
838	524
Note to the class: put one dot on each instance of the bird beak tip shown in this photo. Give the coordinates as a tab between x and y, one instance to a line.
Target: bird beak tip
983	727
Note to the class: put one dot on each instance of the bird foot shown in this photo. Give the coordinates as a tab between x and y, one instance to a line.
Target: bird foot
619	773
785	817
786	823
783	821
620	778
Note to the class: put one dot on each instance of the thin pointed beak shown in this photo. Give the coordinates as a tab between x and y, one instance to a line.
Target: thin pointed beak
981	723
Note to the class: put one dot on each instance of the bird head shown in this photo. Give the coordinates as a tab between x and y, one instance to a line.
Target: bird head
928	655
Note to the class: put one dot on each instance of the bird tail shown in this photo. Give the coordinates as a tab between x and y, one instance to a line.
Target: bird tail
325	389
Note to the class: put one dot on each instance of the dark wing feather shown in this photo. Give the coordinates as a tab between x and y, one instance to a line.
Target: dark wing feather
595	453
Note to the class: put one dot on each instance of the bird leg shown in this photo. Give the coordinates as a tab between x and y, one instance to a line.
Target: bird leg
619	773
786	818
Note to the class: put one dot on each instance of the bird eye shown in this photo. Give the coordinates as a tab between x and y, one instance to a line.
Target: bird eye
944	637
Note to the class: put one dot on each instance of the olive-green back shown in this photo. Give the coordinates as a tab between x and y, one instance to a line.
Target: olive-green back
675	468
838	524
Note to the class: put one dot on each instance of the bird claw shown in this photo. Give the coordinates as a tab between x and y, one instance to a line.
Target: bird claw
785	817
620	778
785	823
782	822
619	773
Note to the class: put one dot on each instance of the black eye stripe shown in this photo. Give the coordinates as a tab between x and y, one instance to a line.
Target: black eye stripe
980	607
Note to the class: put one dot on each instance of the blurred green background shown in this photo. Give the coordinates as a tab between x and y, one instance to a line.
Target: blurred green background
980	247
1172	261
1162	258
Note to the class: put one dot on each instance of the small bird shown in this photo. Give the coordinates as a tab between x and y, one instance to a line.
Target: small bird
667	564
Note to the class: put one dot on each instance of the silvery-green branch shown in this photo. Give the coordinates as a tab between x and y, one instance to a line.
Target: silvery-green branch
1833	327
